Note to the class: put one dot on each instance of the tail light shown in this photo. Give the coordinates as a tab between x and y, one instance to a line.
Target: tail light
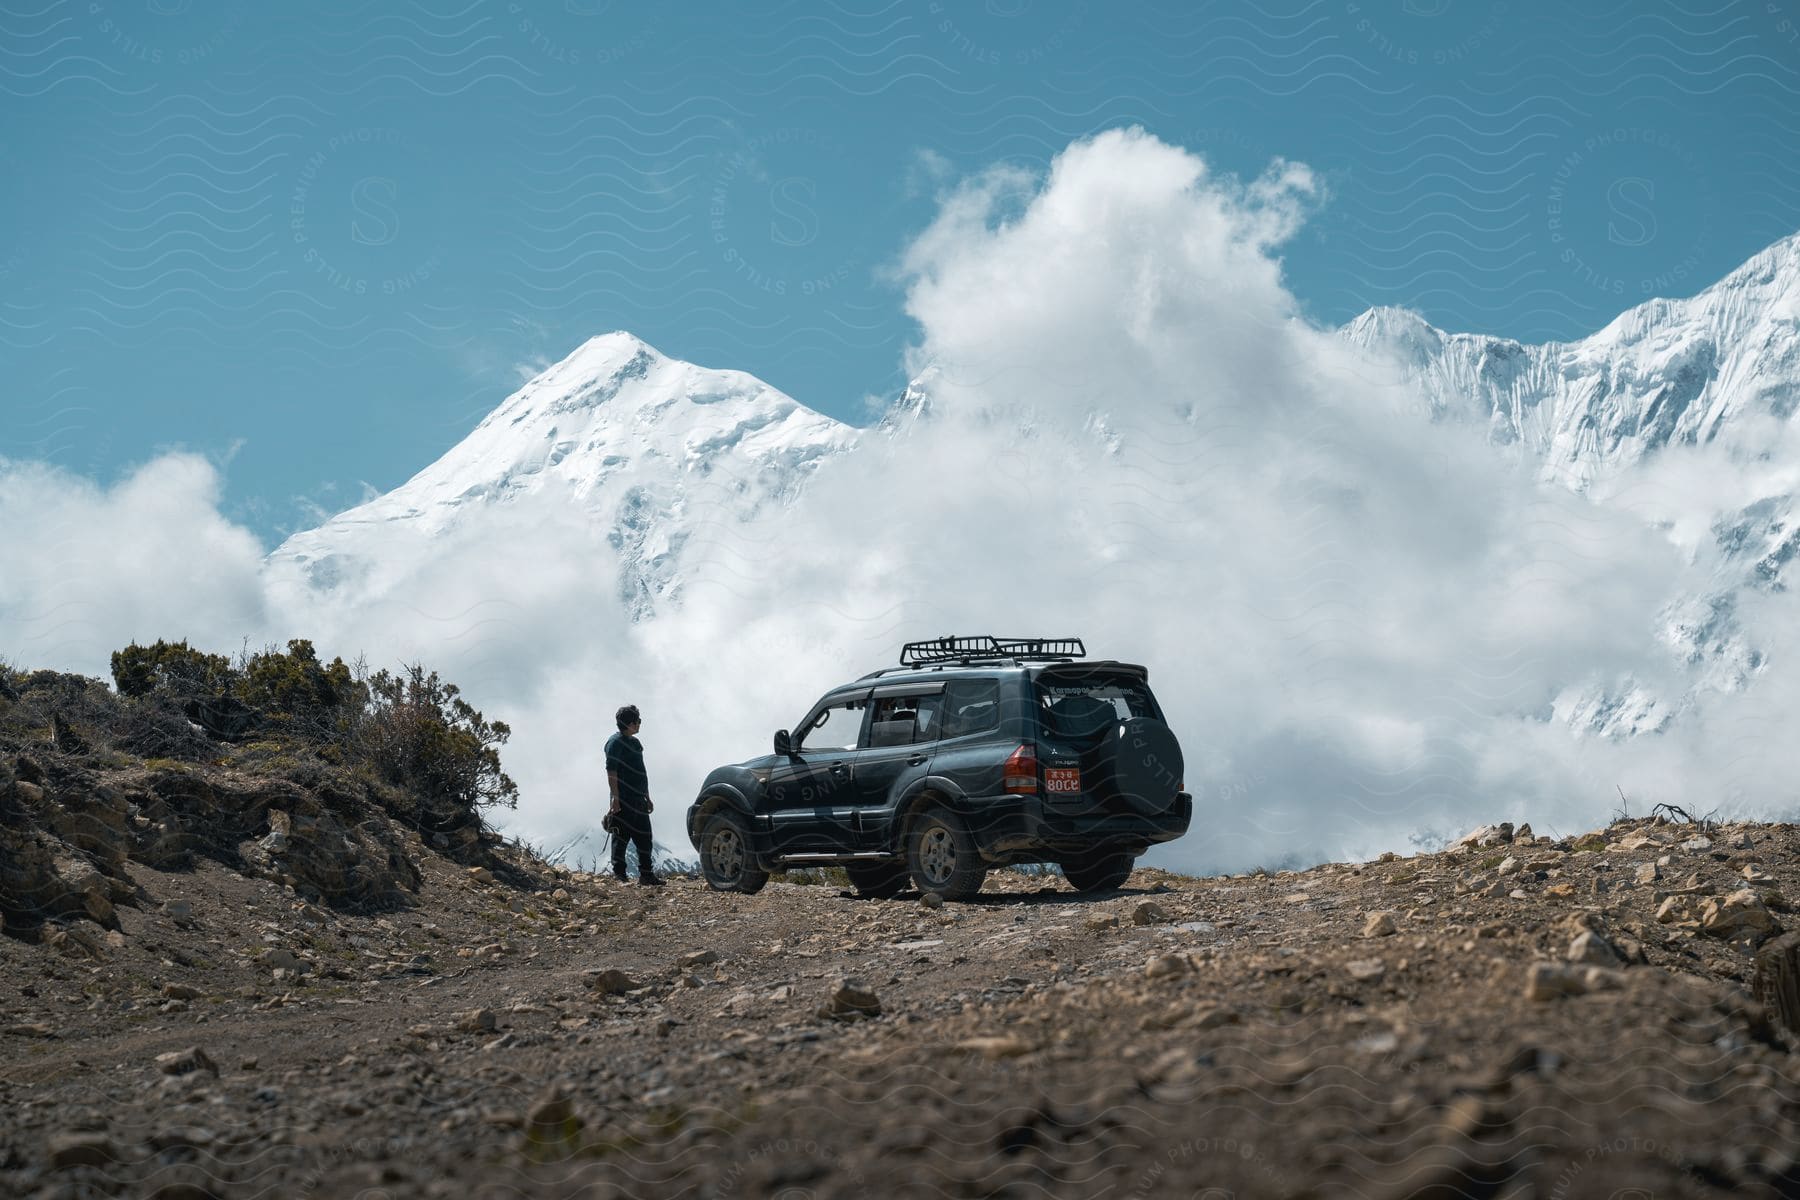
1021	771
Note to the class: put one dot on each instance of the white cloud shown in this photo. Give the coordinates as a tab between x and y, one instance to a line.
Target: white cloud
1356	618
85	569
1351	613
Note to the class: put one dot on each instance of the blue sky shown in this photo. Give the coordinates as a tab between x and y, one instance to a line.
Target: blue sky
318	242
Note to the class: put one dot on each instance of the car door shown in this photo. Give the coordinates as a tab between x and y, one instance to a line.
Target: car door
903	723
811	797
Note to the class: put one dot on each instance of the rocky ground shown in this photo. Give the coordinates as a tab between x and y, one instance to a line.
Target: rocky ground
1513	1017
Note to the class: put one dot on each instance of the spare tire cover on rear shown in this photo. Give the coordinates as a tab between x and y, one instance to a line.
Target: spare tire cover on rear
1145	764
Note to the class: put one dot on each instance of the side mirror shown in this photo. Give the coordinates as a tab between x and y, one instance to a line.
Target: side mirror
784	745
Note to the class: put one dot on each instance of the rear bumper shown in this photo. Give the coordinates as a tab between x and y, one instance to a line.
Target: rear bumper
1022	827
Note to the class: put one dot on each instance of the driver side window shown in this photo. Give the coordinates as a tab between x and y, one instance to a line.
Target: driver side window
835	728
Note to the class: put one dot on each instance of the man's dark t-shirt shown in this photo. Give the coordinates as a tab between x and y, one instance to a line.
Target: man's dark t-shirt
625	757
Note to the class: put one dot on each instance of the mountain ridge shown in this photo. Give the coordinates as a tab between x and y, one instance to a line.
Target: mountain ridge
627	434
651	447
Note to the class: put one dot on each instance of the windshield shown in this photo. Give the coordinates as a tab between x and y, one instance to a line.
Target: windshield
1083	707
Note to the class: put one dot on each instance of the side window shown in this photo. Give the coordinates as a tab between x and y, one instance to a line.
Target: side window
835	728
971	706
903	720
930	724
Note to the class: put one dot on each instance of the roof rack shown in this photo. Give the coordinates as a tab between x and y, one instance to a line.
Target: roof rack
987	647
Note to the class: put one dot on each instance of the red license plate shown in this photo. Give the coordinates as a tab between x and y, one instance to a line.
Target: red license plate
1062	779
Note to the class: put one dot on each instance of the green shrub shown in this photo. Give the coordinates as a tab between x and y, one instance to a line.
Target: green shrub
174	667
293	689
419	733
408	742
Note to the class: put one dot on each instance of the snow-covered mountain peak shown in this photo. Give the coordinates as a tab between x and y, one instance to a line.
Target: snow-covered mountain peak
1683	370
605	357
1388	325
622	431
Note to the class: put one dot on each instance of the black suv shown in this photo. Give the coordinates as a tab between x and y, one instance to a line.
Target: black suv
973	753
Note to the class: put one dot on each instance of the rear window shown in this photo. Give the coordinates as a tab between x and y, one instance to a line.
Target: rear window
971	706
1085	706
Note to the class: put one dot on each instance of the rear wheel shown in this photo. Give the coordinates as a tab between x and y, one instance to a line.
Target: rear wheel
882	881
1098	872
941	856
725	857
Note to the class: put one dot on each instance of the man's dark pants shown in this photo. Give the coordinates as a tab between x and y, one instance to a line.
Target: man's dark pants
634	826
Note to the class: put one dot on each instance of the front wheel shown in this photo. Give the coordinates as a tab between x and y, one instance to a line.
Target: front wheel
1099	872
877	880
725	857
942	858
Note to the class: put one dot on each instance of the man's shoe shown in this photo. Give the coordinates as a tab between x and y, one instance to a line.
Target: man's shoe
649	881
620	875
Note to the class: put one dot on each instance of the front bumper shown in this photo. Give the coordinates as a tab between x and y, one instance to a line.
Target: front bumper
1019	827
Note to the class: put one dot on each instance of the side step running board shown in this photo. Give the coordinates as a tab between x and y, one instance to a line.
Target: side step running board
825	856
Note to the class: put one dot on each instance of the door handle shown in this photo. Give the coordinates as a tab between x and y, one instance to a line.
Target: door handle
839	769
915	760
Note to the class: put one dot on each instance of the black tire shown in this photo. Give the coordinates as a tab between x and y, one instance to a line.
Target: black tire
725	858
1098	872
1142	765
941	856
879	880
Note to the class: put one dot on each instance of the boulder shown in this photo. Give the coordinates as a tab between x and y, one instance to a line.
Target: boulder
1674	909
850	1000
476	1020
279	959
95	821
1591	948
1378	924
1488	835
186	1062
1149	912
85	888
609	982
1742	914
1165	966
1548	980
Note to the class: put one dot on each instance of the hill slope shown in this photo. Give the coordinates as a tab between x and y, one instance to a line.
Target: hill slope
1499	1019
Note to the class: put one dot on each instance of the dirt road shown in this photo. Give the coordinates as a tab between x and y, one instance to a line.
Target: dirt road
1382	1029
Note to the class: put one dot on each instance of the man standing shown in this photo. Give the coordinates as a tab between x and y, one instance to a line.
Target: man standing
630	789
